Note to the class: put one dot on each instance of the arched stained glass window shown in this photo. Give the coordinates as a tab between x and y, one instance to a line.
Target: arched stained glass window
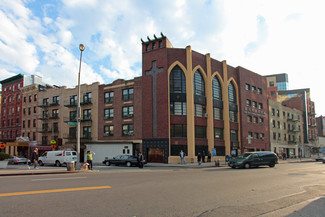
232	93
177	81
216	89
198	84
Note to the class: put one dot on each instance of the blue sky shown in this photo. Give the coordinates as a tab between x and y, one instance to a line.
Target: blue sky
264	36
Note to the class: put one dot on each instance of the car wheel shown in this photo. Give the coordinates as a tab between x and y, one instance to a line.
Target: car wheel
108	163
233	167
247	166
40	163
128	164
272	164
323	162
57	163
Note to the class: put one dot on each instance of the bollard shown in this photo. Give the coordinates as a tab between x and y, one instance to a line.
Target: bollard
217	162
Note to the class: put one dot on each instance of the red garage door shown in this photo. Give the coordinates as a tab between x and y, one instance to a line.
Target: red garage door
156	155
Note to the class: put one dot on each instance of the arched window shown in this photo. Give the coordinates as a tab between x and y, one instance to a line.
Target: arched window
216	89
217	99
177	81
233	108
177	86
198	84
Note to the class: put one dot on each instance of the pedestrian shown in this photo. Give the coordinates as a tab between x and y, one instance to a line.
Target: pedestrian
182	156
203	157
140	160
209	156
35	158
284	156
90	159
199	158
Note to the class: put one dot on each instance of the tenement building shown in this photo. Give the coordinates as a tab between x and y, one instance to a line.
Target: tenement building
194	103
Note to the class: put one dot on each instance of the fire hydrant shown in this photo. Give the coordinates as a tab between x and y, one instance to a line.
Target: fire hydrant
217	163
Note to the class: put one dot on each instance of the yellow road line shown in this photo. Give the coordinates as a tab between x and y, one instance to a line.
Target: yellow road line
53	191
301	168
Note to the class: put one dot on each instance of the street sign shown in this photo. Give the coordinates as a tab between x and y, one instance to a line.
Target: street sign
53	146
2	145
53	142
72	123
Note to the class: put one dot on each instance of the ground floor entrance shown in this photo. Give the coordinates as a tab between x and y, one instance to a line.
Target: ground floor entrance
156	155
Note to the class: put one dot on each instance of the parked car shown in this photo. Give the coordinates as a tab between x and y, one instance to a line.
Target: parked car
323	160
127	160
57	158
254	159
18	160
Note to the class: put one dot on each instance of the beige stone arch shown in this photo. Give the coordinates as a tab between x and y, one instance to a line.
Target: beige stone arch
203	73
217	74
176	63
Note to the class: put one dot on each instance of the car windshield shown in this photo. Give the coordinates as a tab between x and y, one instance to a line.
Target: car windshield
244	155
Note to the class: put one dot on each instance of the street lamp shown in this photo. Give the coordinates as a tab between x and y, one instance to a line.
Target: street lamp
78	166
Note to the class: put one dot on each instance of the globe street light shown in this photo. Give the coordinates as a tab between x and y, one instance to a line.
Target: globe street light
78	166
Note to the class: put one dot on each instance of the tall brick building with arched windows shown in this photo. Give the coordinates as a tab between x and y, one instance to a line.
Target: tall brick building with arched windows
194	103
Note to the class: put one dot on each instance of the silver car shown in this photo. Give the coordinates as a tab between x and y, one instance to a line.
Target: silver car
18	160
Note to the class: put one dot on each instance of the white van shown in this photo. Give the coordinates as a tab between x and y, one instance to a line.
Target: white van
57	158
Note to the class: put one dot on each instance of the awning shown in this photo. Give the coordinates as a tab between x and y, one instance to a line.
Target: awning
25	144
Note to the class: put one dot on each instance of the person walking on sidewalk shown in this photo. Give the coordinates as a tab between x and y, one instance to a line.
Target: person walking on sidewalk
140	160
199	158
182	155
90	159
203	157
35	158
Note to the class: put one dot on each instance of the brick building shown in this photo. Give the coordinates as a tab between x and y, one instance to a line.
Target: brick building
194	103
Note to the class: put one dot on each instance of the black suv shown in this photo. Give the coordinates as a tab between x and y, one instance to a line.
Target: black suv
254	159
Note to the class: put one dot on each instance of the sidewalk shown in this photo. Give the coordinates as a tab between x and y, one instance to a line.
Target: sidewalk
14	170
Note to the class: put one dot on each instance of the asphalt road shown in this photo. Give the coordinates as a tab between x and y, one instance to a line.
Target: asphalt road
293	189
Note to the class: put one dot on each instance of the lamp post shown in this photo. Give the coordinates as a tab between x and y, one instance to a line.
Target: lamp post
78	166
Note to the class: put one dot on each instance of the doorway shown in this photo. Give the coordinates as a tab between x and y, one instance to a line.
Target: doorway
156	155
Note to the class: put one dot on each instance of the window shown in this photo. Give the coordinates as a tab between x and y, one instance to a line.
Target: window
177	81
255	120
253	88
273	93
274	136
285	137
254	104
279	124
153	45
255	135
233	116
247	87
284	114
200	132
56	100
73	100
35	97
178	130
127	111
218	133
86	132
29	98
217	113
160	44
198	84
216	89
147	47
73	116
86	114
262	136
108	130
271	83
248	102
279	136
108	113
55	113
259	90
87	98
249	119
261	120
284	126
199	110
273	112
108	97
127	130
260	106
178	108
34	110
127	94
34	123
273	123
278	112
